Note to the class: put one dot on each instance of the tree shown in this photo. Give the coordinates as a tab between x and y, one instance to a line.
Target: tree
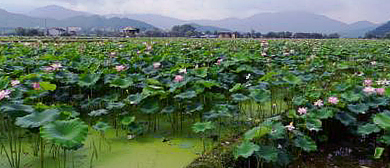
181	30
334	35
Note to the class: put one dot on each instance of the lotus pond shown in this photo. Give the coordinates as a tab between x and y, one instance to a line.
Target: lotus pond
195	103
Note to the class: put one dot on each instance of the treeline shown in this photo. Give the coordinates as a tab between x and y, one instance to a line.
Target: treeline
186	30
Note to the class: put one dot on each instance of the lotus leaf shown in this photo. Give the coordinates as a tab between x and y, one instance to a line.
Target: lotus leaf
150	107
306	143
382	120
246	149
128	120
268	153
239	97
101	126
68	134
97	113
186	95
202	127
88	80
37	119
358	108
367	129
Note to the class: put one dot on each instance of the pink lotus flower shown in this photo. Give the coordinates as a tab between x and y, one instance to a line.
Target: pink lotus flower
333	100
4	94
179	78
156	65
302	110
319	103
120	68
56	66
290	127
369	90
380	91
219	61
36	85
367	82
48	69
15	83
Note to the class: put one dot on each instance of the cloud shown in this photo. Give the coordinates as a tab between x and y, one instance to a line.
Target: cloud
344	10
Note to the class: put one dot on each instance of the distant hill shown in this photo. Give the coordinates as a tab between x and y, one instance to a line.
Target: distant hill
281	21
100	21
381	30
55	12
12	20
357	29
162	22
8	19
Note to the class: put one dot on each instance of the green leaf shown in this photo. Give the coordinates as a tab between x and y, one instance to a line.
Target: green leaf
268	153
345	118
47	86
128	120
377	101
382	120
324	113
97	113
201	72
239	97
135	98
208	83
168	110
115	105
68	134
292	113
306	143
260	96
313	124
299	101
122	83
236	87
246	149
186	95
150	107
37	119
368	129
87	80
101	126
4	82
358	108
202	126
292	79
378	152
351	96
385	139
16	110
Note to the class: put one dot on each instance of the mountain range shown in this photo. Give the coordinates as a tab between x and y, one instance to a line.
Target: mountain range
294	21
12	20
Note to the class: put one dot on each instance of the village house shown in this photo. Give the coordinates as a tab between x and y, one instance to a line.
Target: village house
228	35
130	31
55	31
73	31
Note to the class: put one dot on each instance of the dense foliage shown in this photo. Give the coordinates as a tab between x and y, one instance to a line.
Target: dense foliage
311	88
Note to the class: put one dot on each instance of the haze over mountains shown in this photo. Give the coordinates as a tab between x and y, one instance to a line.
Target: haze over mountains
263	22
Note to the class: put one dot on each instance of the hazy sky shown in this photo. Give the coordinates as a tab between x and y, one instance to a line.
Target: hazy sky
344	10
